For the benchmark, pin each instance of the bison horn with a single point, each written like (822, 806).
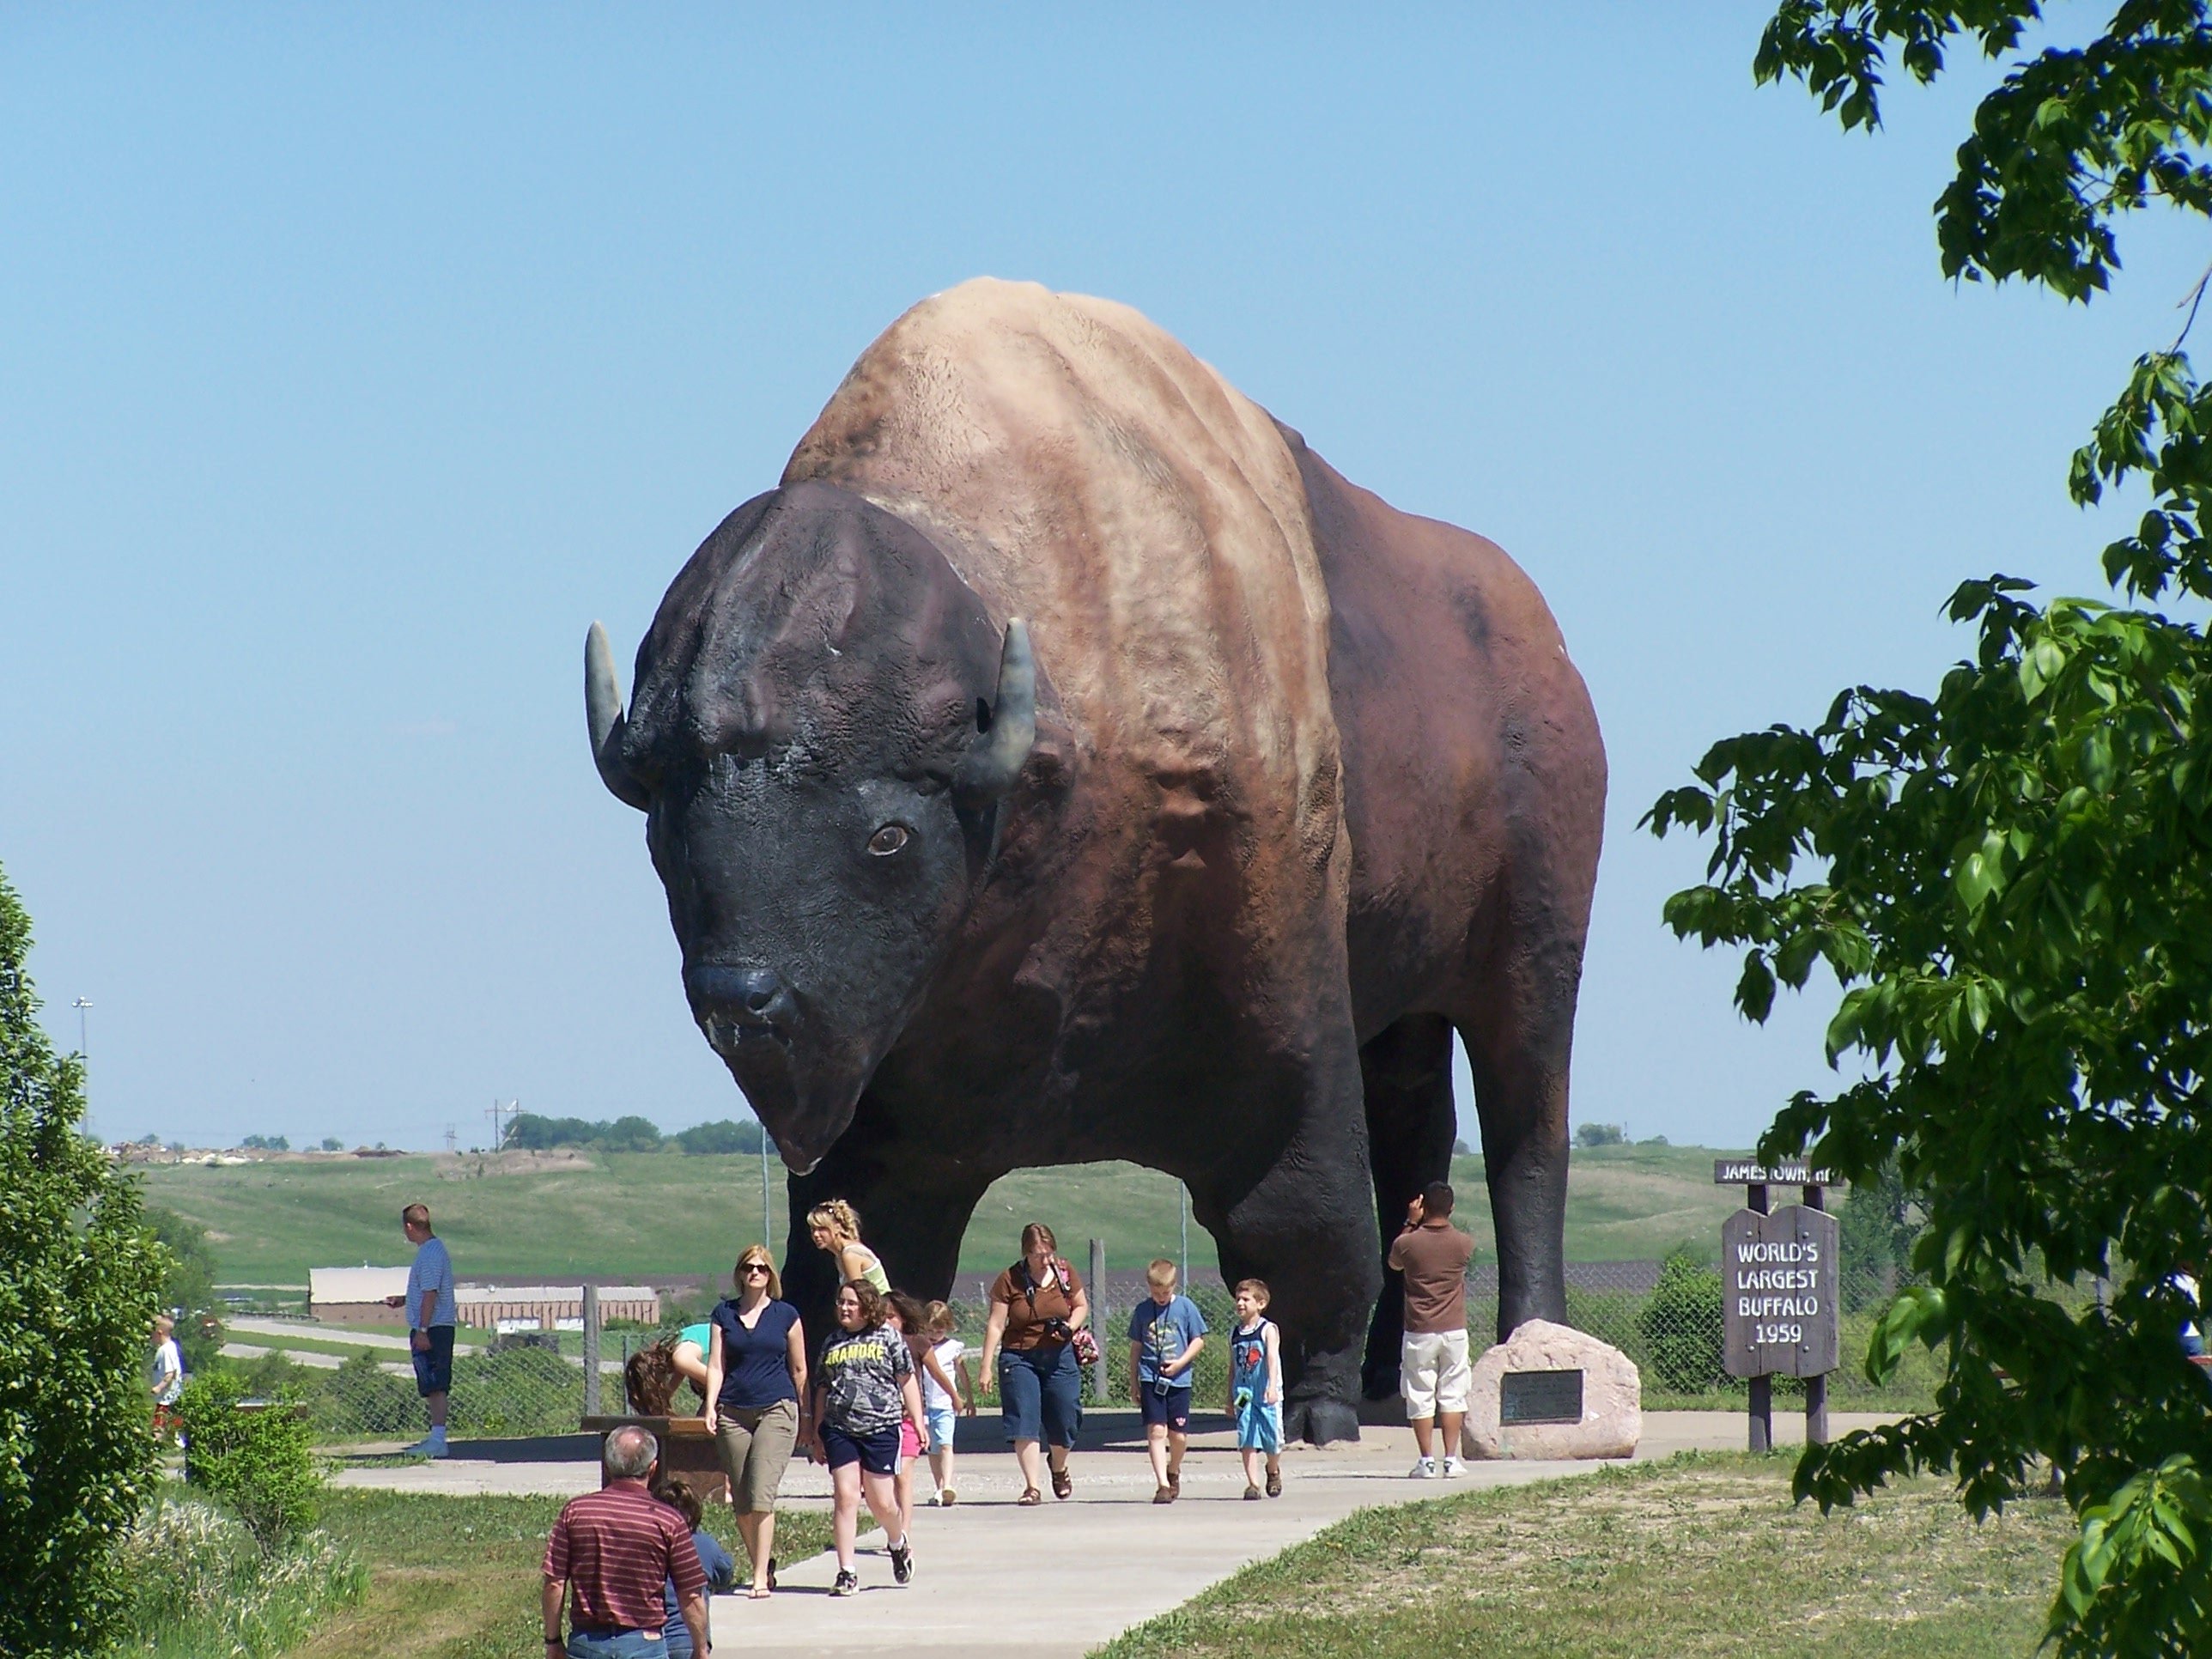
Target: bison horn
(604, 721)
(991, 767)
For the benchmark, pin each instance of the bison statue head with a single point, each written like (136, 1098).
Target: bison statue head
(825, 725)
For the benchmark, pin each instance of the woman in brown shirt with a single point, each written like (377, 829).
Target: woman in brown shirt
(1037, 1307)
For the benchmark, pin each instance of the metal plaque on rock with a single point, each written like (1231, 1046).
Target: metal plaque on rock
(1540, 1397)
(1778, 1293)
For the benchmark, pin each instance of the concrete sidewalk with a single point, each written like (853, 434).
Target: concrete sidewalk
(1111, 1558)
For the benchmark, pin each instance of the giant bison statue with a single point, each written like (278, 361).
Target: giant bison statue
(1064, 762)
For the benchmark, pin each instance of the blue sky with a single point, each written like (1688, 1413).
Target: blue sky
(352, 360)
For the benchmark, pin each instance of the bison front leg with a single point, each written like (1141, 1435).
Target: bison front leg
(913, 1208)
(1306, 1226)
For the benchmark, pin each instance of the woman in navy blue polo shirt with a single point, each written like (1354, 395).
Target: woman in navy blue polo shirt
(756, 1381)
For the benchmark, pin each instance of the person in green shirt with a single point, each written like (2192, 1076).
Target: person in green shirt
(689, 1352)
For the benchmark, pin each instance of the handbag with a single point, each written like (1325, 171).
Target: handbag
(1081, 1338)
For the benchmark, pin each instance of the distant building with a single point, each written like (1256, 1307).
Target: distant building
(355, 1296)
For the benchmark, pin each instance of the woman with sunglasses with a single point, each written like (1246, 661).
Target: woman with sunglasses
(756, 1389)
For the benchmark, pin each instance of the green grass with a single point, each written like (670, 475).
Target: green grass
(458, 1577)
(636, 1215)
(1701, 1555)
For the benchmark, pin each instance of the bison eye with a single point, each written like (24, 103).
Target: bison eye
(887, 840)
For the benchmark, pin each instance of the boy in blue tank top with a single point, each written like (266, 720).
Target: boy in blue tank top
(1255, 1387)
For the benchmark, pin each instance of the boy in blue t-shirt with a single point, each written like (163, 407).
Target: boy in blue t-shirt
(1165, 1336)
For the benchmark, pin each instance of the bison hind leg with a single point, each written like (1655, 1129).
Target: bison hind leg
(1405, 1072)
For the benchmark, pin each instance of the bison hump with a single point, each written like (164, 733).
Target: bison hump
(1082, 469)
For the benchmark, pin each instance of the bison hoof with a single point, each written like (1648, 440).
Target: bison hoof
(1319, 1422)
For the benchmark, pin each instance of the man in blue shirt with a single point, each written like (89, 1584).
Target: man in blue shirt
(431, 1317)
(1165, 1336)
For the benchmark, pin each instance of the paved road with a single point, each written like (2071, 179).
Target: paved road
(1111, 1556)
(309, 1330)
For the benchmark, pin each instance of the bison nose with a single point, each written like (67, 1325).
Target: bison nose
(745, 998)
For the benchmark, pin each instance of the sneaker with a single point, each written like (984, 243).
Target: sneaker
(903, 1563)
(436, 1447)
(1251, 1494)
(848, 1583)
(950, 1497)
(1424, 1469)
(935, 1501)
(1454, 1468)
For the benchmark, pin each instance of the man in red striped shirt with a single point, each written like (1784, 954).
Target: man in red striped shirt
(615, 1549)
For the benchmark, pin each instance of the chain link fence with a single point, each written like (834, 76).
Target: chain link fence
(1665, 1316)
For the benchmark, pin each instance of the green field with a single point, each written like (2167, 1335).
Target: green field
(1703, 1555)
(637, 1215)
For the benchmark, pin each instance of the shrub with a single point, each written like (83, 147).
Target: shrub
(199, 1583)
(79, 1283)
(519, 1391)
(1599, 1134)
(361, 1398)
(1682, 1327)
(260, 1463)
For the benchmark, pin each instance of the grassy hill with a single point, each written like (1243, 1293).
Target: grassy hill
(638, 1214)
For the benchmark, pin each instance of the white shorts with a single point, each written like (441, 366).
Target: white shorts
(1433, 1372)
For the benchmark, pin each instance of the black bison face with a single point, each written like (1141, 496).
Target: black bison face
(825, 723)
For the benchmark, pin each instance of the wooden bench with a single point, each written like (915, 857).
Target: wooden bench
(686, 1449)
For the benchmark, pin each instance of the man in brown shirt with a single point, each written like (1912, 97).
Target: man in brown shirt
(615, 1549)
(1433, 1254)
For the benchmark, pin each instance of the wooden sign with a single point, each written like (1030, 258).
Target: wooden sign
(1778, 1293)
(1746, 1172)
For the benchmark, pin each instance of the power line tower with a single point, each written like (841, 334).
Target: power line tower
(450, 1137)
(503, 1114)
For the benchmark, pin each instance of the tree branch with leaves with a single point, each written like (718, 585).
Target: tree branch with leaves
(2011, 880)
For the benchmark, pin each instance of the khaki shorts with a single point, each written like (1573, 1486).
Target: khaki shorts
(1433, 1372)
(756, 1445)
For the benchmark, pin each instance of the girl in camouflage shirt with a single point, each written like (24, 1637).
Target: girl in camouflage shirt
(864, 1385)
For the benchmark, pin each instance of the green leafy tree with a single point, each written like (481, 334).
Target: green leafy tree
(1599, 1134)
(1879, 1226)
(724, 1135)
(188, 1285)
(80, 1282)
(2009, 876)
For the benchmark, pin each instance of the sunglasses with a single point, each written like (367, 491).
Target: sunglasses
(752, 1268)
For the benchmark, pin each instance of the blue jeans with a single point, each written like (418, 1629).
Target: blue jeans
(1041, 1392)
(629, 1644)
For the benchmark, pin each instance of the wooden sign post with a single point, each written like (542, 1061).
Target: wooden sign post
(1779, 1304)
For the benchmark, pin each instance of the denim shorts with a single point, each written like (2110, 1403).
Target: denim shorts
(615, 1644)
(1040, 1391)
(940, 1428)
(433, 1368)
(1170, 1407)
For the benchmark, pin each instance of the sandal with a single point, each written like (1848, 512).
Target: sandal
(1274, 1483)
(1030, 1498)
(1062, 1486)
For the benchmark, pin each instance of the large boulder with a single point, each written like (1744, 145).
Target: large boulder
(1611, 1419)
